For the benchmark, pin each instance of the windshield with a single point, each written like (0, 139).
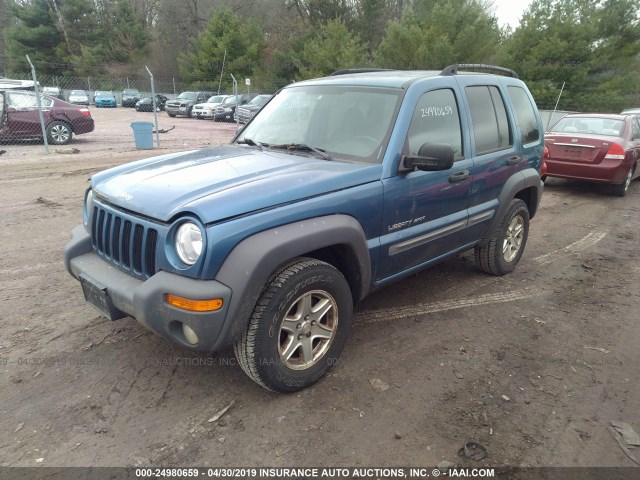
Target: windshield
(345, 121)
(187, 95)
(260, 100)
(78, 92)
(104, 94)
(216, 99)
(590, 125)
(229, 99)
(131, 92)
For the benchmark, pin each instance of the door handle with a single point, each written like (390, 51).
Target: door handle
(459, 176)
(514, 160)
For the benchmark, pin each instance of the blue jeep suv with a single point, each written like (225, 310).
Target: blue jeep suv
(338, 187)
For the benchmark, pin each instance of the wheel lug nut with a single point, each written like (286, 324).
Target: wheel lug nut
(313, 323)
(298, 327)
(299, 337)
(309, 335)
(307, 317)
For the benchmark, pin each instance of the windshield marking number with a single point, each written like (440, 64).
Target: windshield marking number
(436, 111)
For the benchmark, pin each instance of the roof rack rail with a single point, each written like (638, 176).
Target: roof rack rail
(359, 70)
(453, 69)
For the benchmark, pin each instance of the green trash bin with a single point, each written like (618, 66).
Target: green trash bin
(143, 135)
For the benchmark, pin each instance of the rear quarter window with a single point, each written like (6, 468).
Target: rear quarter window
(525, 114)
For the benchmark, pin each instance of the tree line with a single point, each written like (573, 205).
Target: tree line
(590, 47)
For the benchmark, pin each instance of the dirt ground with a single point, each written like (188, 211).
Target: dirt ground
(533, 365)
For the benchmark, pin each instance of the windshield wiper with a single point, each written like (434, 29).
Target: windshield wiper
(252, 143)
(303, 147)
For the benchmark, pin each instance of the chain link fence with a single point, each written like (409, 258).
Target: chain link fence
(97, 113)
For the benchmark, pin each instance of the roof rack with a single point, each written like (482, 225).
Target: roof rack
(359, 70)
(453, 69)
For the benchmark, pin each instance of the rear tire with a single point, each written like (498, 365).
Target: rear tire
(503, 251)
(59, 133)
(298, 327)
(621, 189)
(171, 114)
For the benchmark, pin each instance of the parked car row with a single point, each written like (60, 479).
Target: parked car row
(600, 148)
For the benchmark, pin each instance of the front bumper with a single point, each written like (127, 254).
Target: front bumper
(177, 109)
(208, 114)
(145, 300)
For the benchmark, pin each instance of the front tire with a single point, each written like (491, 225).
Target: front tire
(59, 133)
(502, 252)
(298, 327)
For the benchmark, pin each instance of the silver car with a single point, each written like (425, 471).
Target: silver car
(205, 110)
(79, 97)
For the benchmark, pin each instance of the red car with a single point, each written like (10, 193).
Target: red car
(19, 118)
(596, 148)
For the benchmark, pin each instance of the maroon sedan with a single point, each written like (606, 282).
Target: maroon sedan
(19, 118)
(596, 148)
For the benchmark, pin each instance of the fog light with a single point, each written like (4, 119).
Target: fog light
(189, 334)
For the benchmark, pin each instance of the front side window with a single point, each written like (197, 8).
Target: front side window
(350, 123)
(489, 118)
(436, 120)
(525, 114)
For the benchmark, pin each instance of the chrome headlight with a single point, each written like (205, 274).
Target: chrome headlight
(189, 242)
(88, 206)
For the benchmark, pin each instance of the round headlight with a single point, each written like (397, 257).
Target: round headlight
(189, 242)
(88, 205)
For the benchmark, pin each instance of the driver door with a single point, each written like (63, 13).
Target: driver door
(425, 213)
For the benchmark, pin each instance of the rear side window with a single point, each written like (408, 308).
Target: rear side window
(635, 130)
(27, 100)
(489, 117)
(436, 120)
(525, 114)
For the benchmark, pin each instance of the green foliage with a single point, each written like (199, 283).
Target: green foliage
(33, 33)
(592, 48)
(70, 37)
(226, 32)
(439, 33)
(332, 48)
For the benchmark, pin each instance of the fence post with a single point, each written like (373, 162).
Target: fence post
(235, 92)
(37, 89)
(174, 85)
(153, 105)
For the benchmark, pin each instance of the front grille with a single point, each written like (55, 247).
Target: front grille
(126, 243)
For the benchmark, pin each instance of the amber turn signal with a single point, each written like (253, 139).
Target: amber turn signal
(194, 305)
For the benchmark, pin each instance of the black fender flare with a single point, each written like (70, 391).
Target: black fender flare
(250, 264)
(523, 180)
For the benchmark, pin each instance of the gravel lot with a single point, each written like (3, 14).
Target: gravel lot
(533, 365)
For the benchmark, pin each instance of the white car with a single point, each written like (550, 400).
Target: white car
(205, 110)
(79, 97)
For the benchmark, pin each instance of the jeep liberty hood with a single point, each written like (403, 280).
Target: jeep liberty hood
(222, 182)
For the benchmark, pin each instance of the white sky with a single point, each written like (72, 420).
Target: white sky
(509, 12)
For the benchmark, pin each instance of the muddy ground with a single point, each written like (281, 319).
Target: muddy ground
(533, 365)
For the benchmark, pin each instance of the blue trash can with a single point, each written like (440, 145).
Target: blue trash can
(143, 135)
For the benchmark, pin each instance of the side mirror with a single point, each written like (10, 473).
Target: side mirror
(432, 157)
